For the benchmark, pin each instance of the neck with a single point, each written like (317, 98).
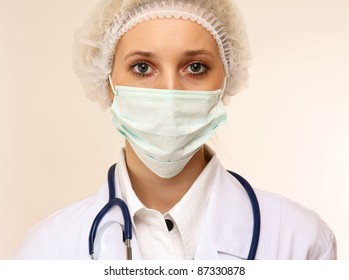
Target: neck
(162, 193)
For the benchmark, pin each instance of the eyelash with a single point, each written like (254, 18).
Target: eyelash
(204, 72)
(132, 70)
(144, 75)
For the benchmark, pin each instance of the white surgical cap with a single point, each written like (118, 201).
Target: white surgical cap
(96, 41)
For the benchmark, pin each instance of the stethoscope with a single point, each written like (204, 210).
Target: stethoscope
(127, 228)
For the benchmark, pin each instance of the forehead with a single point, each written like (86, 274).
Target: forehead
(167, 35)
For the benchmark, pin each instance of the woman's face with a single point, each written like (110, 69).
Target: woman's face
(168, 54)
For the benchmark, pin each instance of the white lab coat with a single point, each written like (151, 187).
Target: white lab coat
(288, 230)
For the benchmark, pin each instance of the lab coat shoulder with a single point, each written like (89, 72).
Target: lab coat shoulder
(62, 235)
(288, 230)
(294, 231)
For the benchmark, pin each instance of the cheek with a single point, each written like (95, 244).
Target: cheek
(216, 79)
(220, 77)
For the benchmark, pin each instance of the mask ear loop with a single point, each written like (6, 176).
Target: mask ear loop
(111, 84)
(112, 88)
(223, 89)
(225, 84)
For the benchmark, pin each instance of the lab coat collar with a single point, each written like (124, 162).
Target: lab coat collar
(227, 226)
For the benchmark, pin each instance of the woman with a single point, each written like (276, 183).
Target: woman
(166, 67)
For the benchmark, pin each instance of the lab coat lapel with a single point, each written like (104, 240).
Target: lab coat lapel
(206, 248)
(227, 229)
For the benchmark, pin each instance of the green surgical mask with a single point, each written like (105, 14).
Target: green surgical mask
(167, 127)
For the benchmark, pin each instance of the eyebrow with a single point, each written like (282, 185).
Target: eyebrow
(141, 53)
(197, 52)
(153, 55)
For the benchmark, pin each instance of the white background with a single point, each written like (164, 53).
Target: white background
(198, 270)
(288, 133)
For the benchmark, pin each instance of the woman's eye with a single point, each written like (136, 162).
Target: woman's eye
(197, 68)
(142, 69)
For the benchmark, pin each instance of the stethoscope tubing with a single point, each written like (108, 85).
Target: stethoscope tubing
(127, 232)
(256, 215)
(113, 201)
